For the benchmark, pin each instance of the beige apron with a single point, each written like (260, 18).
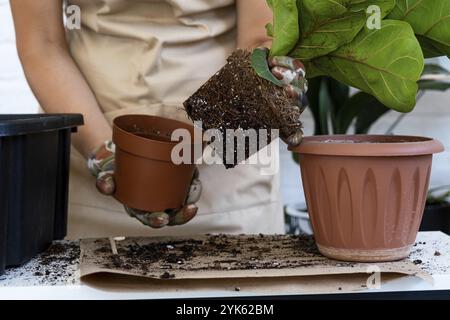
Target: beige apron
(148, 56)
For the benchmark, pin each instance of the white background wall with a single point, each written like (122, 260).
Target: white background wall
(430, 118)
(15, 96)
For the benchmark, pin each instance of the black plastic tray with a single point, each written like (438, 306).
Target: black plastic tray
(34, 182)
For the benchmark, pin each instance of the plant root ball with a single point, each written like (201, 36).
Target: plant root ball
(237, 98)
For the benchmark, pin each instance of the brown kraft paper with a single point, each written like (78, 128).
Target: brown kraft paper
(263, 264)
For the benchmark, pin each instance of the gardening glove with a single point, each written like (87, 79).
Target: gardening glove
(291, 72)
(101, 165)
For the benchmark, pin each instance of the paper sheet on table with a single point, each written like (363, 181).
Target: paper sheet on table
(259, 264)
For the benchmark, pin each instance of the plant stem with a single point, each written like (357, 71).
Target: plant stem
(390, 130)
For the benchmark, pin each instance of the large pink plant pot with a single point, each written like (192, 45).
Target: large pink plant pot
(366, 194)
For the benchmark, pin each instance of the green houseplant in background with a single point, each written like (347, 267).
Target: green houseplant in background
(436, 216)
(335, 109)
(341, 47)
(334, 39)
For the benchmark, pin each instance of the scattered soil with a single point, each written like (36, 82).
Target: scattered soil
(158, 258)
(56, 266)
(237, 98)
(432, 258)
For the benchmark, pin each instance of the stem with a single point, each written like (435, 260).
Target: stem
(390, 130)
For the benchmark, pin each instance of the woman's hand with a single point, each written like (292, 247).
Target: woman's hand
(253, 15)
(101, 165)
(291, 72)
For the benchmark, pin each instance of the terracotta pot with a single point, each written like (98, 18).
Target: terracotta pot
(365, 193)
(145, 176)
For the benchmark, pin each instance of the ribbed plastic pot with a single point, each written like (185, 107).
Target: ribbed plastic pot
(366, 193)
(145, 175)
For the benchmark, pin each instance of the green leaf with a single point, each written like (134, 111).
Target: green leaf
(312, 71)
(325, 106)
(432, 49)
(261, 67)
(327, 8)
(385, 63)
(269, 30)
(328, 24)
(372, 112)
(430, 19)
(435, 77)
(350, 109)
(338, 94)
(285, 29)
(434, 85)
(320, 126)
(363, 107)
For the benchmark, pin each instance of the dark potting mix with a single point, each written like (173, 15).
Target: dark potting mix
(164, 257)
(237, 98)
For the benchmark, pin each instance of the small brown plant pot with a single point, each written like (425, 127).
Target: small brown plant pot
(366, 194)
(145, 175)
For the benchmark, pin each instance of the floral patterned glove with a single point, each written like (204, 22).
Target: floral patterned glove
(291, 72)
(101, 165)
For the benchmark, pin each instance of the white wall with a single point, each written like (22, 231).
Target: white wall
(431, 117)
(15, 96)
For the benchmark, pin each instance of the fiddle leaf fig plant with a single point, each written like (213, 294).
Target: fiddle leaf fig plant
(285, 29)
(259, 64)
(336, 110)
(430, 20)
(332, 39)
(328, 25)
(385, 63)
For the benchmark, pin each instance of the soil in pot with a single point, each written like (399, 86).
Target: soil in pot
(237, 98)
(366, 196)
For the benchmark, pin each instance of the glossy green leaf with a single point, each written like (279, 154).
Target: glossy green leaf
(434, 85)
(385, 63)
(435, 78)
(285, 28)
(362, 107)
(430, 19)
(432, 49)
(328, 8)
(269, 30)
(312, 71)
(325, 106)
(350, 109)
(320, 125)
(338, 94)
(326, 25)
(372, 112)
(261, 67)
